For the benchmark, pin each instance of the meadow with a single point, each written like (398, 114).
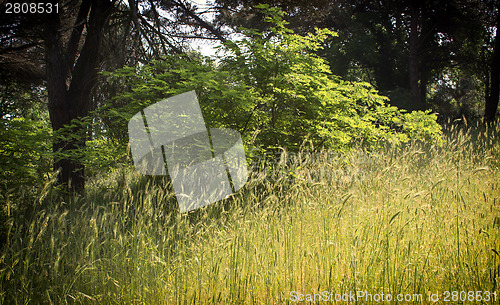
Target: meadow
(406, 220)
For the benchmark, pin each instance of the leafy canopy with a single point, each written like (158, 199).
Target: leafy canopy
(274, 88)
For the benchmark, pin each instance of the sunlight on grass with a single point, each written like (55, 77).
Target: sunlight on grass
(405, 220)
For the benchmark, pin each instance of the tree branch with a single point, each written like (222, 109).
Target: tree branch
(201, 22)
(76, 34)
(157, 31)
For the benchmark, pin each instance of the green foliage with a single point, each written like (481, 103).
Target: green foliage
(25, 137)
(223, 102)
(458, 94)
(274, 89)
(25, 165)
(103, 155)
(422, 125)
(304, 100)
(19, 100)
(92, 146)
(24, 153)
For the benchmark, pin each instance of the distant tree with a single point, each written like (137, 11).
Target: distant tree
(401, 47)
(492, 21)
(408, 43)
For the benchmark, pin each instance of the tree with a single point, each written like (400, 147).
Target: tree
(73, 101)
(70, 42)
(400, 47)
(493, 77)
(274, 88)
(413, 42)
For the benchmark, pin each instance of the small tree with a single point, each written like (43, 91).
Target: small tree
(296, 95)
(274, 89)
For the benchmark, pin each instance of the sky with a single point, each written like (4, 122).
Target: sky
(205, 46)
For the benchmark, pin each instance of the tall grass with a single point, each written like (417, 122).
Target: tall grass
(405, 220)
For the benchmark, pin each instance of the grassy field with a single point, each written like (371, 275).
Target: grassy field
(403, 221)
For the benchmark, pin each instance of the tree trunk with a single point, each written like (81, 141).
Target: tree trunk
(423, 89)
(413, 62)
(69, 89)
(492, 96)
(385, 70)
(59, 106)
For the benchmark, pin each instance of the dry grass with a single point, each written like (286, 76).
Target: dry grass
(401, 221)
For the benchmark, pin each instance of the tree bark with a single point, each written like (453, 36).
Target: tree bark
(413, 60)
(493, 95)
(424, 80)
(59, 109)
(69, 87)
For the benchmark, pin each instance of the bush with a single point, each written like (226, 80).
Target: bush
(273, 88)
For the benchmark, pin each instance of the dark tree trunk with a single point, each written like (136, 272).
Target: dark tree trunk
(69, 86)
(423, 89)
(492, 96)
(413, 60)
(59, 106)
(385, 71)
